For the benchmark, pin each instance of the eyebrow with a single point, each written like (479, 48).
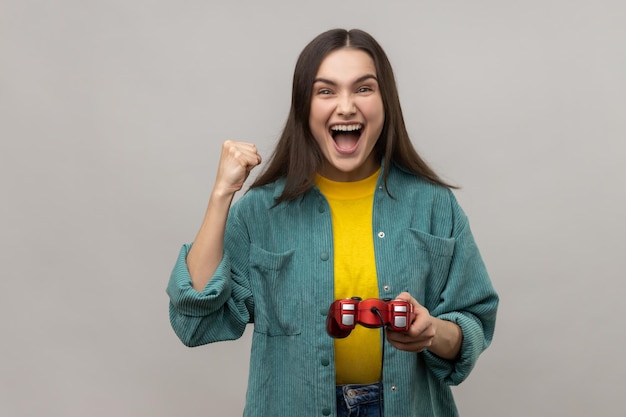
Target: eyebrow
(357, 81)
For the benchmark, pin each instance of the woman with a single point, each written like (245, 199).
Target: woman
(345, 207)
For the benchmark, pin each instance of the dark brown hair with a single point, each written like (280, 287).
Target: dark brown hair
(297, 156)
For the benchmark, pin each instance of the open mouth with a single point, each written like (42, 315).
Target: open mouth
(346, 137)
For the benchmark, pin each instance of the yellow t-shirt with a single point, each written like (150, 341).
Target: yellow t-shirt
(358, 356)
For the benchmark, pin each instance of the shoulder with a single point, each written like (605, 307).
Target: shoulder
(435, 204)
(259, 200)
(402, 183)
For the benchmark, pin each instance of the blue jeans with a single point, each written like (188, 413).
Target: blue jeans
(359, 400)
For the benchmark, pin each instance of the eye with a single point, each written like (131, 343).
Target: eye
(324, 91)
(365, 90)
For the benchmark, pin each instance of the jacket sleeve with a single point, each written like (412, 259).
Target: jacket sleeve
(468, 300)
(222, 310)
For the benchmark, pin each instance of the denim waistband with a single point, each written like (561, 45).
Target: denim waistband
(357, 394)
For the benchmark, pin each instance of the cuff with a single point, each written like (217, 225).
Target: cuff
(453, 372)
(186, 300)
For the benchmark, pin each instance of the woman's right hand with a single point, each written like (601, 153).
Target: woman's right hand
(236, 162)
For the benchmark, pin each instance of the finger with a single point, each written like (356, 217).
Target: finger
(406, 296)
(422, 322)
(403, 342)
(250, 151)
(252, 157)
(245, 154)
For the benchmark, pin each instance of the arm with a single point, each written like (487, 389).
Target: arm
(208, 300)
(236, 162)
(441, 337)
(459, 323)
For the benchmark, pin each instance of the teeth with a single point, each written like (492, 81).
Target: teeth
(346, 128)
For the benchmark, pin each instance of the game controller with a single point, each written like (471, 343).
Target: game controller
(345, 314)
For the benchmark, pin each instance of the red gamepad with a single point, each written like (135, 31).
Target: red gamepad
(345, 314)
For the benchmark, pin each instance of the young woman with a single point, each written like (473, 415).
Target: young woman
(345, 207)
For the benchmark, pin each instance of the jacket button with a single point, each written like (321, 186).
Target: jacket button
(381, 234)
(386, 288)
(324, 256)
(326, 411)
(325, 362)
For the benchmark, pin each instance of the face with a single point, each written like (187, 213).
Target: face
(347, 114)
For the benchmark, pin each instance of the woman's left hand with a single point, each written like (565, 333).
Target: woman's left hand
(422, 332)
(441, 337)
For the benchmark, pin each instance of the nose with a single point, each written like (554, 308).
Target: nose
(345, 105)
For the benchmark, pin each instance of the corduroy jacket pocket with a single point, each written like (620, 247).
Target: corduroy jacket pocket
(277, 296)
(429, 258)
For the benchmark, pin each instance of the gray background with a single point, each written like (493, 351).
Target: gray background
(112, 114)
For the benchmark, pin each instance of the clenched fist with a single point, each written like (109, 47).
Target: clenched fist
(236, 162)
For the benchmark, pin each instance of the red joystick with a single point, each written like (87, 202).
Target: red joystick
(344, 315)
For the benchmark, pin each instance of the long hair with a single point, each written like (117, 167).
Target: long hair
(297, 156)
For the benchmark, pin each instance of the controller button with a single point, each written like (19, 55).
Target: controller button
(400, 322)
(347, 319)
(399, 308)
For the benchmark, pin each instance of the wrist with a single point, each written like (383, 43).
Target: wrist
(220, 194)
(448, 339)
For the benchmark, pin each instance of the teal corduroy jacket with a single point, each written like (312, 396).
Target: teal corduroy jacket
(277, 272)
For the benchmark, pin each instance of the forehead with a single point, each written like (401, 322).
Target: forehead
(346, 64)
